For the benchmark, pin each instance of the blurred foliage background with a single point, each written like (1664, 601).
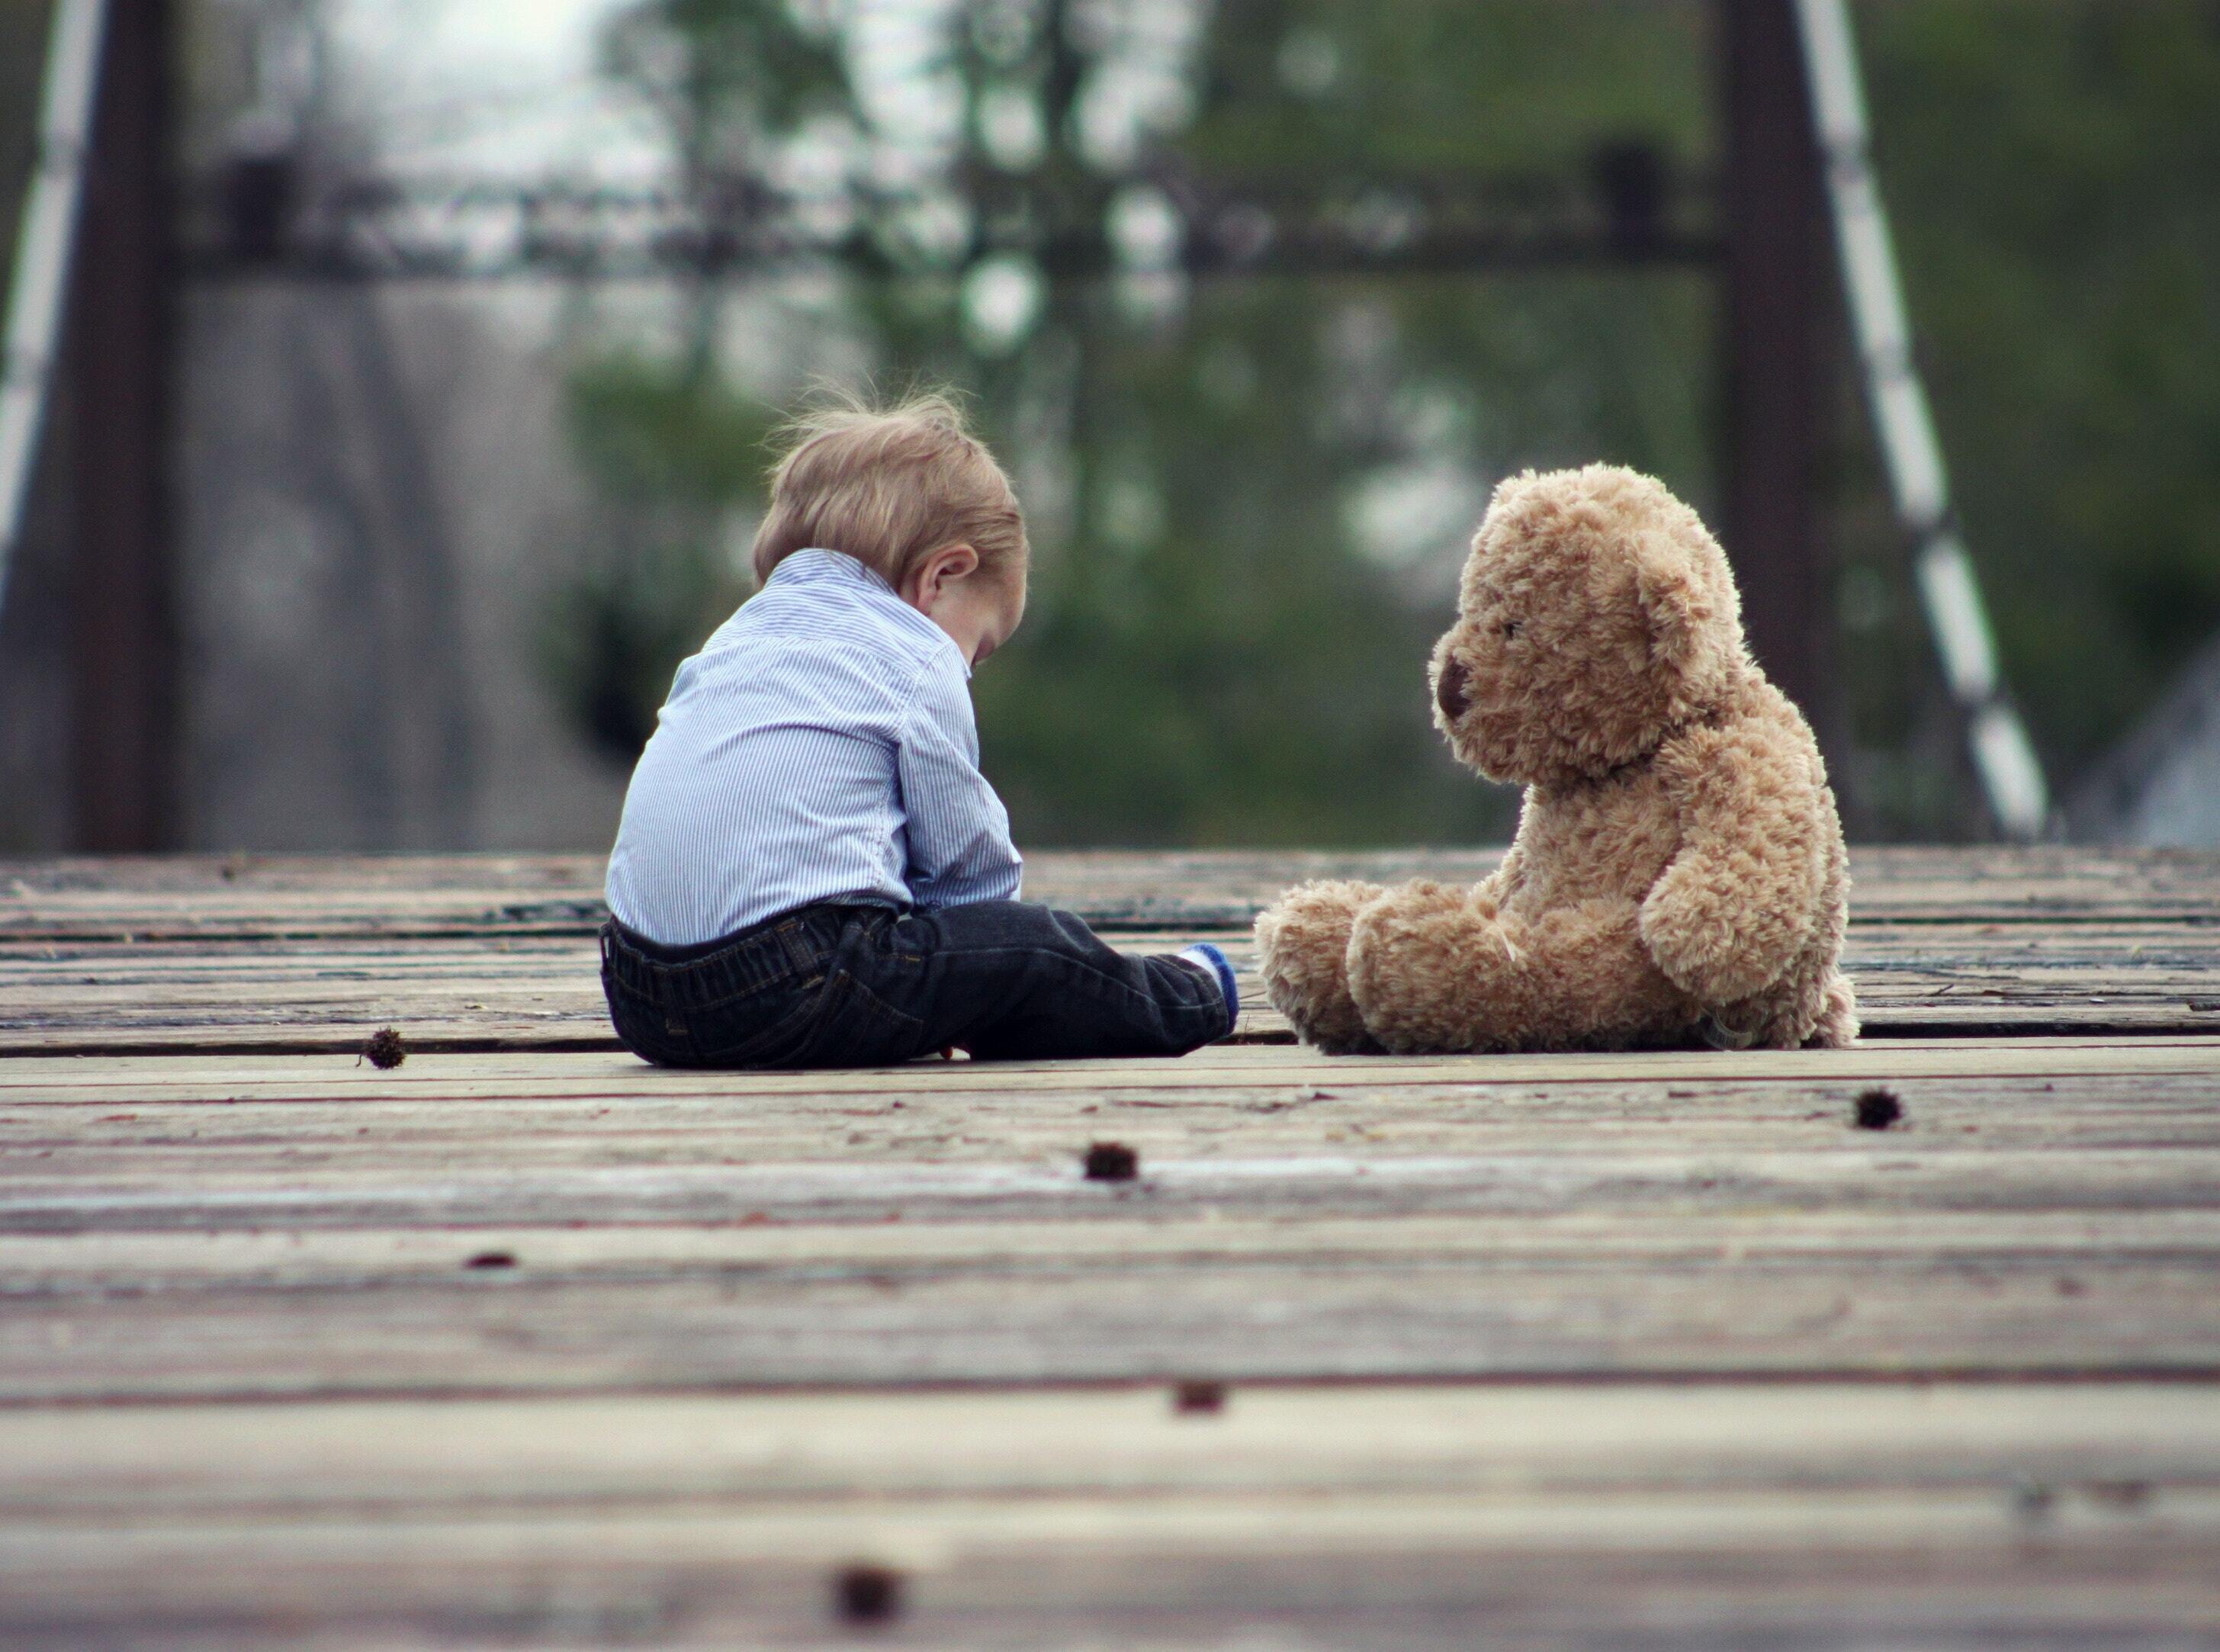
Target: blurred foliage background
(1248, 495)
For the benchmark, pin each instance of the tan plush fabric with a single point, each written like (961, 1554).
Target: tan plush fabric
(1679, 875)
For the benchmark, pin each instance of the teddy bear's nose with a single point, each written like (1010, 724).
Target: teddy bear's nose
(1449, 689)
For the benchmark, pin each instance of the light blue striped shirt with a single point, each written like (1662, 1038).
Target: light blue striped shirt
(821, 746)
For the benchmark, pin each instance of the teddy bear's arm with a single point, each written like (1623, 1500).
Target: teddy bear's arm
(1736, 905)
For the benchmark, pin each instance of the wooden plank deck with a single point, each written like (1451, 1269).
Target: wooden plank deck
(483, 953)
(524, 1343)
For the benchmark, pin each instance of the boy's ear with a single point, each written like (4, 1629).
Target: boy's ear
(949, 562)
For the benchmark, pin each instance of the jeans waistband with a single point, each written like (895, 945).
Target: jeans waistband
(788, 948)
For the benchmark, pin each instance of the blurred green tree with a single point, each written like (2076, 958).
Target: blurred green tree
(1218, 651)
(2055, 175)
(668, 447)
(1249, 494)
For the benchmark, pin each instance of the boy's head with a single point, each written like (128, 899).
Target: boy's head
(913, 495)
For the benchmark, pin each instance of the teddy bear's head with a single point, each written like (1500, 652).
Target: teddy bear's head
(1596, 614)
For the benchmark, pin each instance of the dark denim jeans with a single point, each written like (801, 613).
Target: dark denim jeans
(848, 986)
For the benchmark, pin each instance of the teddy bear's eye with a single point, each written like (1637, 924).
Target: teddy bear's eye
(1511, 627)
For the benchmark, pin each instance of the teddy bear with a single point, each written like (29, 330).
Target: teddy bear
(1678, 875)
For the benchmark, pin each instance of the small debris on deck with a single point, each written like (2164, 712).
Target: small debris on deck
(385, 1050)
(867, 1595)
(1111, 1162)
(1197, 1398)
(1879, 1109)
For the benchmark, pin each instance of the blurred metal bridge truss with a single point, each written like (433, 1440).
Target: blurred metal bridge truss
(265, 217)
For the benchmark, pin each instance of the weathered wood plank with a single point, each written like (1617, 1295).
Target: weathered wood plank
(1850, 1571)
(1395, 1518)
(1050, 1321)
(574, 1350)
(309, 896)
(832, 1229)
(488, 1458)
(1310, 1287)
(181, 1191)
(81, 1129)
(544, 992)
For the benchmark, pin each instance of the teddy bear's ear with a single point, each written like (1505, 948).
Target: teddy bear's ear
(1673, 604)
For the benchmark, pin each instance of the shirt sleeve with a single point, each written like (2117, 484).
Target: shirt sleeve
(959, 833)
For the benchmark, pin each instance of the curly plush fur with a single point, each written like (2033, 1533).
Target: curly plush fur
(1679, 873)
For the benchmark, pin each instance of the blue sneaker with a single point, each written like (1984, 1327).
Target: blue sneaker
(1210, 957)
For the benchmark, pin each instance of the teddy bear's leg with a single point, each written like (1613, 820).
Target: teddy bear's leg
(1593, 983)
(1426, 964)
(1442, 970)
(1302, 944)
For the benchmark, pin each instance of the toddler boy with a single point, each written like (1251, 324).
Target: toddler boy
(811, 871)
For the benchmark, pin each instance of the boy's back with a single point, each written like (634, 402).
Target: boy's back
(819, 748)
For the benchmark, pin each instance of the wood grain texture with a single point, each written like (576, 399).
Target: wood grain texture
(525, 1343)
(173, 1225)
(539, 992)
(1399, 1517)
(420, 896)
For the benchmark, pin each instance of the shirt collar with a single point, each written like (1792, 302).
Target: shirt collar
(815, 565)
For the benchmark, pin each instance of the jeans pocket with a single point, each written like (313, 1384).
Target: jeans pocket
(860, 1029)
(767, 1031)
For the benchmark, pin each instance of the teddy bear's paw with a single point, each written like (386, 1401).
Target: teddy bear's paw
(1715, 947)
(1838, 1018)
(1815, 1011)
(1302, 947)
(1429, 968)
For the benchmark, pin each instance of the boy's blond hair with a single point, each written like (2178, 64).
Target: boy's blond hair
(889, 487)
